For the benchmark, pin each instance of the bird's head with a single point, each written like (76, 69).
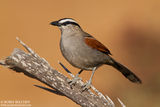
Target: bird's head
(68, 24)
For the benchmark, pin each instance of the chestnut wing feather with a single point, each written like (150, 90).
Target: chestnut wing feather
(93, 43)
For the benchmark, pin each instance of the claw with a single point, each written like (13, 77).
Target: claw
(86, 86)
(73, 81)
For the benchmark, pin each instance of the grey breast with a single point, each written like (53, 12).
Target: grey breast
(79, 54)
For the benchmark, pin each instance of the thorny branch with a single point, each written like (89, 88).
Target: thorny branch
(32, 65)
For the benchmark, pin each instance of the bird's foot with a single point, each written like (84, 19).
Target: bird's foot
(73, 81)
(86, 86)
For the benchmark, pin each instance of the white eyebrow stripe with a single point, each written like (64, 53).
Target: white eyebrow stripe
(67, 20)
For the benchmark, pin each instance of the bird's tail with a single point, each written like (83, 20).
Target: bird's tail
(126, 72)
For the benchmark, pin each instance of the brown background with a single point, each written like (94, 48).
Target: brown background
(130, 29)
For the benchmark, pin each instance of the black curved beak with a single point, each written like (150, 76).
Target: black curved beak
(55, 23)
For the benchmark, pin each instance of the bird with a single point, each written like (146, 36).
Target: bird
(85, 52)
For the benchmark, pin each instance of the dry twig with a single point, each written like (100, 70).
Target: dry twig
(32, 65)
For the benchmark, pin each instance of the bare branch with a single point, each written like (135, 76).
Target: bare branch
(38, 68)
(121, 103)
(25, 46)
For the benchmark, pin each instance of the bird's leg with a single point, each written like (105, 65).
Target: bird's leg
(87, 85)
(75, 79)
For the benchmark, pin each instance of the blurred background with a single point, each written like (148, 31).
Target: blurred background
(130, 29)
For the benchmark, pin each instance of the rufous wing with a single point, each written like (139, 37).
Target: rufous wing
(93, 43)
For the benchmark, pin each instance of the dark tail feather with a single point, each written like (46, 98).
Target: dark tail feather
(126, 72)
